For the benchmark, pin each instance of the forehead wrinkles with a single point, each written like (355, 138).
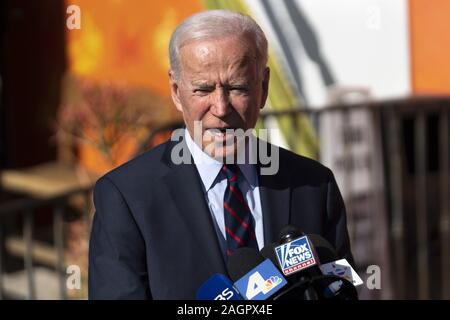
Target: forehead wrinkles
(224, 57)
(226, 76)
(236, 73)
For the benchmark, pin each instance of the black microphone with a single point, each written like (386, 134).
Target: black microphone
(242, 261)
(308, 283)
(331, 286)
(324, 250)
(296, 288)
(301, 278)
(289, 233)
(300, 286)
(268, 252)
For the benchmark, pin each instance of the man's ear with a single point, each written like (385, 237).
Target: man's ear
(265, 86)
(175, 90)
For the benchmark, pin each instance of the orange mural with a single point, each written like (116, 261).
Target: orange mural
(121, 48)
(126, 41)
(430, 46)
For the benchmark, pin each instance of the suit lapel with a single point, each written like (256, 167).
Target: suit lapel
(275, 193)
(184, 185)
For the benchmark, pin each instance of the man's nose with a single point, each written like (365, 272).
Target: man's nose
(221, 103)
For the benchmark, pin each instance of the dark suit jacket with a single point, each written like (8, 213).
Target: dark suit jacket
(153, 235)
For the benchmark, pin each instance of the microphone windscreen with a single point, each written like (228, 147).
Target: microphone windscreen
(242, 261)
(324, 250)
(290, 231)
(268, 252)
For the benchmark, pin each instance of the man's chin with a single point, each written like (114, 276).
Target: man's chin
(224, 150)
(223, 154)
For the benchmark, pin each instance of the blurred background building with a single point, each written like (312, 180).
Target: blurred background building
(360, 85)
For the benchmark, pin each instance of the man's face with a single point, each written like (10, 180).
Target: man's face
(222, 85)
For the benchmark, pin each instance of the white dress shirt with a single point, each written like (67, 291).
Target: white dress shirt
(215, 183)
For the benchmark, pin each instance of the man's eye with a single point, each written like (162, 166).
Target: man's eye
(239, 89)
(202, 90)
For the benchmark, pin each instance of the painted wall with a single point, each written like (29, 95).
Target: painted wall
(126, 41)
(430, 46)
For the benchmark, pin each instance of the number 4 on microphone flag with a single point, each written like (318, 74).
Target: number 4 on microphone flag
(261, 282)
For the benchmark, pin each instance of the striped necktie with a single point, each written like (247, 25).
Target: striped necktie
(239, 221)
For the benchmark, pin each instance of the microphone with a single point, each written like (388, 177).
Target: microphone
(303, 259)
(298, 261)
(268, 252)
(289, 233)
(324, 250)
(298, 286)
(218, 287)
(241, 261)
(339, 279)
(332, 265)
(342, 268)
(255, 278)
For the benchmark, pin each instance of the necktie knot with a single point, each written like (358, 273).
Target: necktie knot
(231, 171)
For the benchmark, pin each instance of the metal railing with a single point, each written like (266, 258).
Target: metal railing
(404, 233)
(415, 225)
(415, 192)
(26, 208)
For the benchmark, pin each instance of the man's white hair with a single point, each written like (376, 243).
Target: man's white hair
(215, 24)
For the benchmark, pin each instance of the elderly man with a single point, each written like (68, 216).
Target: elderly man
(163, 226)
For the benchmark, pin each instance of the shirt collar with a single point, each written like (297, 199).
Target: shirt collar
(209, 168)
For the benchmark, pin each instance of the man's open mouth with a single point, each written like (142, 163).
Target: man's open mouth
(221, 131)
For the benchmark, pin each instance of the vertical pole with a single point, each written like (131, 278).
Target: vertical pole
(444, 196)
(58, 235)
(421, 205)
(28, 254)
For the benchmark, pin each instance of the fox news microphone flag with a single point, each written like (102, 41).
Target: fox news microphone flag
(298, 259)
